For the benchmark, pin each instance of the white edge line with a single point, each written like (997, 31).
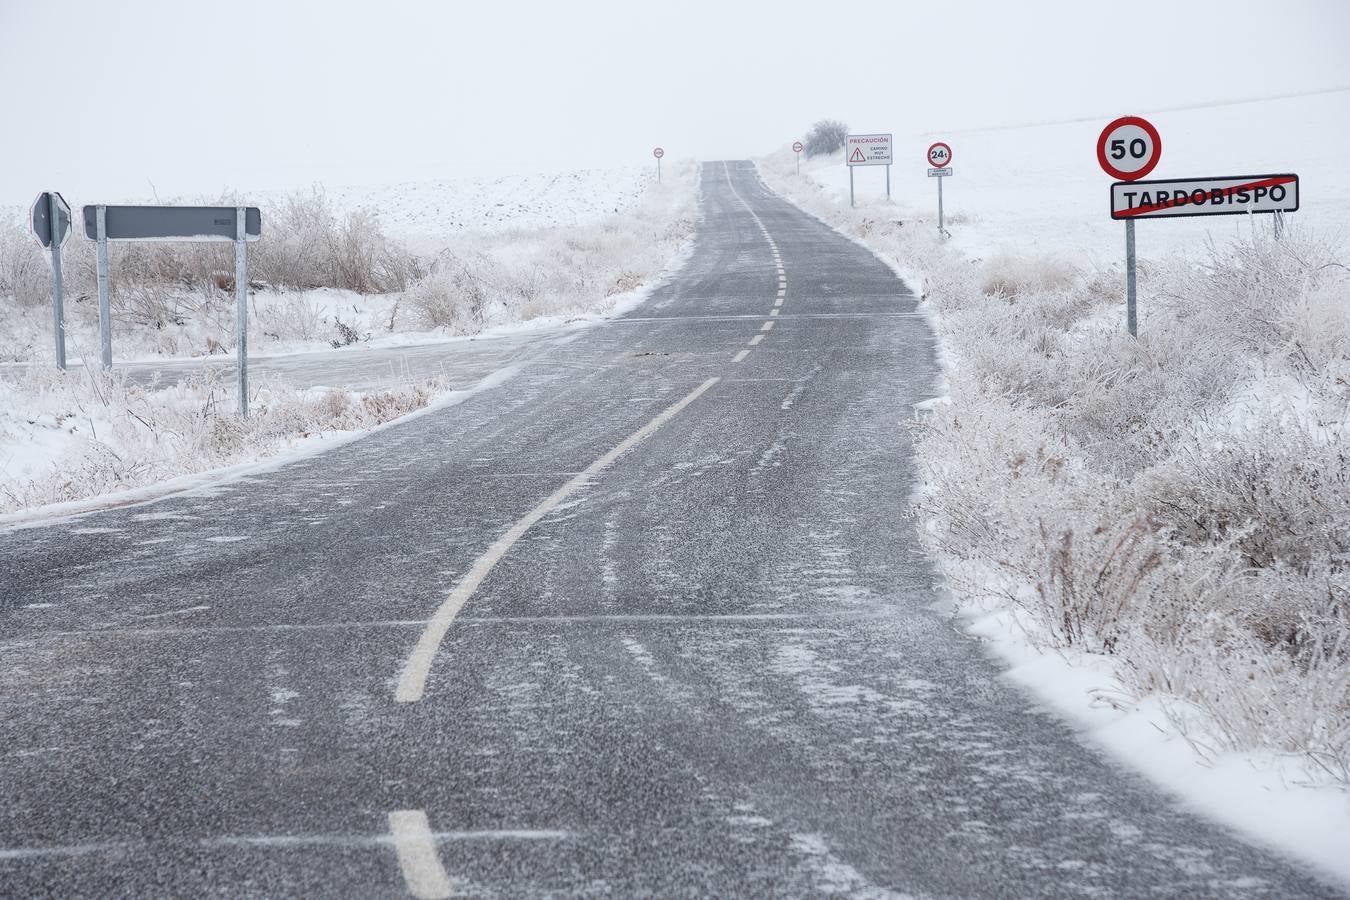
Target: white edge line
(413, 680)
(417, 856)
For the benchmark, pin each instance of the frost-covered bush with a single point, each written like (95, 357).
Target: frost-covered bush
(825, 137)
(117, 435)
(1179, 501)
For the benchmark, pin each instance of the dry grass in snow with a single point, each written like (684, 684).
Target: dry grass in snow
(68, 436)
(1179, 503)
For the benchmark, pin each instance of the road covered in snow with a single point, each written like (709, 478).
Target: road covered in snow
(647, 619)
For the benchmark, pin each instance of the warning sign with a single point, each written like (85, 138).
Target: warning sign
(868, 150)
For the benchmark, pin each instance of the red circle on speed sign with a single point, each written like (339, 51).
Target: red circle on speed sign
(1129, 148)
(658, 153)
(939, 155)
(796, 146)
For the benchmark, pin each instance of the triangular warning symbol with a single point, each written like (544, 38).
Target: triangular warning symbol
(857, 155)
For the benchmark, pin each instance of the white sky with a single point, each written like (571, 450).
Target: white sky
(195, 97)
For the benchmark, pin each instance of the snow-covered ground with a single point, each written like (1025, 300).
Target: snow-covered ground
(580, 246)
(420, 211)
(1097, 503)
(1038, 189)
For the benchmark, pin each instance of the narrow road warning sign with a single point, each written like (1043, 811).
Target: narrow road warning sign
(869, 150)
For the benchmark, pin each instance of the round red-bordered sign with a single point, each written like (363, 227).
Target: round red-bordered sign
(796, 146)
(940, 163)
(1129, 148)
(658, 153)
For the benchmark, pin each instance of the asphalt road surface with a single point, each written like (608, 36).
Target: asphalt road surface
(647, 619)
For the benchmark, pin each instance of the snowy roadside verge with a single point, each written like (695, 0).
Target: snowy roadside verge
(1052, 459)
(68, 437)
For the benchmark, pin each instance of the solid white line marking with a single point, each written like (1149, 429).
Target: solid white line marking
(413, 681)
(767, 326)
(740, 356)
(417, 856)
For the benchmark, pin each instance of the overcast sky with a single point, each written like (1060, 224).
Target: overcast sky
(196, 97)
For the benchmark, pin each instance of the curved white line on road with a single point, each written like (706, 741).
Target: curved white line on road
(417, 856)
(413, 681)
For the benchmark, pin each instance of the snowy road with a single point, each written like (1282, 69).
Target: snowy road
(485, 653)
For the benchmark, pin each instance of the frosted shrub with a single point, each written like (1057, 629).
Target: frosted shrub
(1180, 501)
(453, 296)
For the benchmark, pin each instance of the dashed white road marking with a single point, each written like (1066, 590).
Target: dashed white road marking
(739, 357)
(773, 312)
(778, 302)
(767, 326)
(413, 680)
(756, 339)
(417, 856)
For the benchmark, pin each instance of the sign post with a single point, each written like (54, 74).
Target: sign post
(797, 149)
(658, 153)
(940, 162)
(1129, 148)
(104, 309)
(867, 150)
(239, 224)
(50, 218)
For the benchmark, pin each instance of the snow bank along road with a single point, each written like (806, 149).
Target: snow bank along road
(649, 618)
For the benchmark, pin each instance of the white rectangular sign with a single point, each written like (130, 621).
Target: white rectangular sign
(940, 173)
(1237, 195)
(868, 150)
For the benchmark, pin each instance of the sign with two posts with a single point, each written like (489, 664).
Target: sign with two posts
(868, 150)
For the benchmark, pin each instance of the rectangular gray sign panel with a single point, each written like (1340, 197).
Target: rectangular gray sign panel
(172, 223)
(1230, 196)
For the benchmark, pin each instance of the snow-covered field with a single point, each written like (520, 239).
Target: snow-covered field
(419, 211)
(1154, 532)
(1038, 189)
(584, 245)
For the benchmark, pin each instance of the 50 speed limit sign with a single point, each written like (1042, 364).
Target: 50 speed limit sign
(1129, 148)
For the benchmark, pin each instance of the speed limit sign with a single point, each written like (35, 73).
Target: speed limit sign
(658, 153)
(796, 146)
(1129, 148)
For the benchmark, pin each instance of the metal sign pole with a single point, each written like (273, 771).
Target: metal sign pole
(58, 288)
(941, 229)
(241, 305)
(799, 163)
(1131, 323)
(104, 310)
(658, 170)
(850, 187)
(888, 182)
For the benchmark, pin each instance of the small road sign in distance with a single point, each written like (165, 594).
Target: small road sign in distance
(658, 153)
(173, 223)
(796, 146)
(1129, 148)
(1236, 195)
(41, 218)
(940, 155)
(868, 150)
